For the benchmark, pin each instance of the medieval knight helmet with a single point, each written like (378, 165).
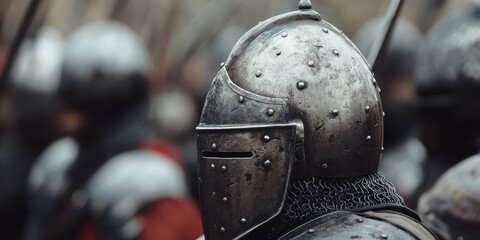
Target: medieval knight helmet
(34, 83)
(450, 207)
(295, 99)
(448, 72)
(105, 69)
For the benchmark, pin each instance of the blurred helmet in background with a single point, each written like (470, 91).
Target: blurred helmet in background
(448, 73)
(105, 71)
(34, 82)
(174, 113)
(452, 207)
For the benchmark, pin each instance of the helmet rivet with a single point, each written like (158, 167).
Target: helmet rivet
(310, 63)
(310, 231)
(222, 229)
(225, 200)
(258, 74)
(243, 220)
(324, 166)
(270, 112)
(335, 113)
(278, 52)
(335, 51)
(383, 149)
(367, 108)
(379, 90)
(266, 138)
(214, 194)
(304, 5)
(369, 138)
(224, 168)
(222, 64)
(284, 34)
(374, 82)
(301, 85)
(359, 220)
(383, 114)
(214, 146)
(384, 236)
(267, 163)
(212, 166)
(241, 99)
(325, 30)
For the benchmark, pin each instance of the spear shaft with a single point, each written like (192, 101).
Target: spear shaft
(381, 43)
(19, 36)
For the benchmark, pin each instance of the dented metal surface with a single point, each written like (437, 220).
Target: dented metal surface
(367, 226)
(451, 207)
(290, 102)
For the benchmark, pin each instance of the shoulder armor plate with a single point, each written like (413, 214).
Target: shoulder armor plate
(48, 174)
(369, 225)
(129, 180)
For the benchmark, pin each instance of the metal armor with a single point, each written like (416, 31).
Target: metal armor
(105, 68)
(396, 76)
(30, 115)
(451, 208)
(34, 81)
(448, 77)
(374, 224)
(47, 181)
(117, 192)
(294, 111)
(448, 72)
(113, 196)
(370, 225)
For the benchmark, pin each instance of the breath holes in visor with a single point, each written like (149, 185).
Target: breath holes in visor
(227, 155)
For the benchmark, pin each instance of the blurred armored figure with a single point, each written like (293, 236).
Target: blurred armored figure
(451, 84)
(452, 207)
(448, 85)
(33, 83)
(404, 155)
(290, 140)
(118, 185)
(430, 10)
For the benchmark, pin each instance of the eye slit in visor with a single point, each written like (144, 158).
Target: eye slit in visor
(227, 155)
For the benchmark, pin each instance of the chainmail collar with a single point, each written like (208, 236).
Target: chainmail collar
(312, 197)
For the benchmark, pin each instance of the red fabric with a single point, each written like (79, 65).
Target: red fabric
(163, 147)
(171, 219)
(164, 219)
(88, 232)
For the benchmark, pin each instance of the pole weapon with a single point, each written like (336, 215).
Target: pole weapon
(19, 36)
